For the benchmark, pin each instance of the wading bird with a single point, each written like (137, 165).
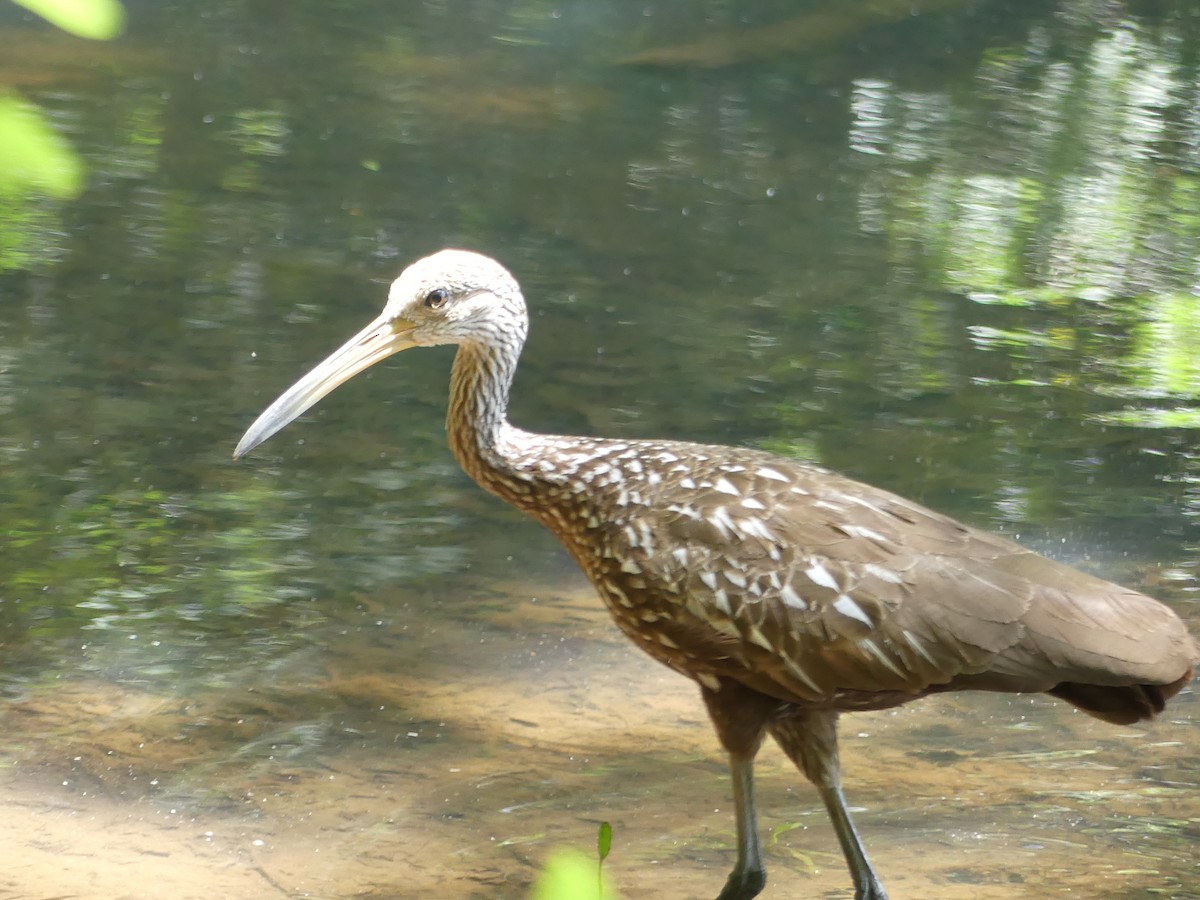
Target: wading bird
(788, 593)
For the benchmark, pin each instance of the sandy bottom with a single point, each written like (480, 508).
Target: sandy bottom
(450, 764)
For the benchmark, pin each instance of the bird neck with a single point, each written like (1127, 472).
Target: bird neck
(477, 419)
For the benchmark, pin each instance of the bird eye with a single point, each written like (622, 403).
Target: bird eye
(437, 298)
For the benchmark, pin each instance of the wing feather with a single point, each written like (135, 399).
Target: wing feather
(818, 588)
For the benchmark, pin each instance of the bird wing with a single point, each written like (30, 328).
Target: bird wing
(812, 586)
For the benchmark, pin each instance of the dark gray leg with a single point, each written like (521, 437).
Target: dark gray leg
(748, 877)
(740, 717)
(809, 738)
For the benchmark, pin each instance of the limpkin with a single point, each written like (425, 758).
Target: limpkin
(789, 593)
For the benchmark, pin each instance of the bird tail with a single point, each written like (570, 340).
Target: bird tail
(1114, 653)
(1121, 705)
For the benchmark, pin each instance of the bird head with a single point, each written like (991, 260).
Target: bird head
(451, 297)
(454, 297)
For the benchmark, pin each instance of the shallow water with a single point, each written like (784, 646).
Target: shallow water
(947, 248)
(392, 764)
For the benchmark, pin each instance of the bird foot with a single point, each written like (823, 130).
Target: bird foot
(743, 884)
(870, 890)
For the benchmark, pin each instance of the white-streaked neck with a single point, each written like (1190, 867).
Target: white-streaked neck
(477, 418)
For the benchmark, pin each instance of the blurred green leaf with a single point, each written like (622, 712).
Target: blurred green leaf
(99, 20)
(33, 155)
(570, 875)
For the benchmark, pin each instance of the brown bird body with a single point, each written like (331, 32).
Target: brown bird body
(788, 592)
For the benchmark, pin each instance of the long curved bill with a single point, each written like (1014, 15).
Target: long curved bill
(378, 341)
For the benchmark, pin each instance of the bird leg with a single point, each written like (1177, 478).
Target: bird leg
(749, 876)
(809, 738)
(740, 717)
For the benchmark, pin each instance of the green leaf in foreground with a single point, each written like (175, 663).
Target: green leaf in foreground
(100, 20)
(570, 875)
(33, 155)
(604, 841)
